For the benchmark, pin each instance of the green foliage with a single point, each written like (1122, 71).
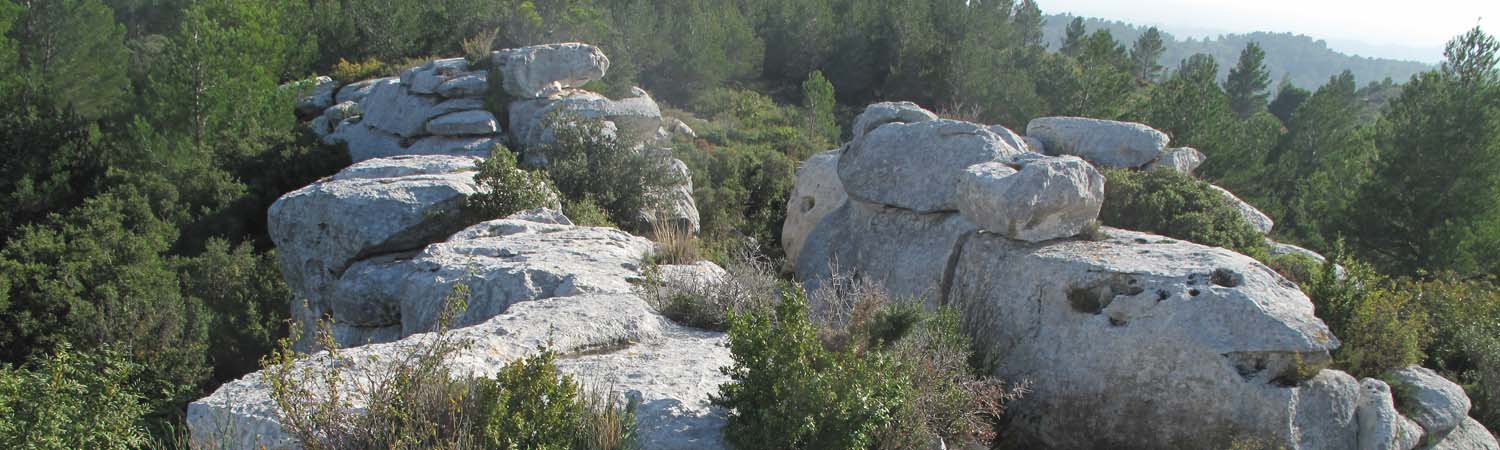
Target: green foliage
(72, 400)
(580, 153)
(1146, 54)
(790, 391)
(749, 284)
(817, 99)
(1288, 98)
(1169, 203)
(586, 213)
(530, 405)
(1380, 325)
(477, 48)
(1248, 81)
(74, 52)
(35, 183)
(346, 72)
(1431, 200)
(248, 300)
(505, 189)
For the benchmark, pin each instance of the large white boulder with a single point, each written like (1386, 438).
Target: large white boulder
(907, 252)
(817, 193)
(356, 91)
(1470, 435)
(916, 165)
(544, 70)
(426, 78)
(1381, 427)
(364, 142)
(1182, 159)
(606, 341)
(1139, 341)
(1258, 220)
(374, 208)
(1435, 403)
(392, 108)
(879, 114)
(1106, 143)
(464, 123)
(1011, 137)
(472, 84)
(1047, 199)
(503, 262)
(677, 208)
(635, 119)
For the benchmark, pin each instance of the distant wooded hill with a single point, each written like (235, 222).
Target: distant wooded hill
(1307, 62)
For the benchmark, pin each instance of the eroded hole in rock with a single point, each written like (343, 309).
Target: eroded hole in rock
(1193, 292)
(1142, 241)
(808, 203)
(1093, 299)
(1116, 322)
(1162, 295)
(1226, 278)
(1283, 369)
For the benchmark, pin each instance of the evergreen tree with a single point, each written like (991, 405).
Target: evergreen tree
(1288, 98)
(1317, 168)
(1073, 39)
(1029, 21)
(1248, 81)
(817, 99)
(1431, 202)
(1145, 53)
(73, 52)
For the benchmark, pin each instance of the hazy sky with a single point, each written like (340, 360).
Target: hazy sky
(1385, 28)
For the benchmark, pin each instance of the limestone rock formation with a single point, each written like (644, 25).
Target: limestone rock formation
(319, 95)
(1016, 141)
(817, 193)
(1381, 427)
(1046, 199)
(544, 70)
(1182, 159)
(472, 122)
(908, 252)
(608, 341)
(1259, 220)
(879, 114)
(916, 165)
(1103, 142)
(1438, 405)
(678, 209)
(356, 91)
(636, 118)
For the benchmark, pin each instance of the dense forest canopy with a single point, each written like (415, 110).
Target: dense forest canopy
(143, 140)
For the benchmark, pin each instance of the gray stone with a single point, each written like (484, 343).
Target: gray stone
(606, 341)
(679, 127)
(472, 84)
(1140, 341)
(1014, 140)
(1278, 249)
(356, 91)
(1380, 426)
(916, 165)
(1258, 220)
(317, 95)
(1182, 159)
(464, 123)
(1047, 199)
(451, 145)
(879, 114)
(321, 127)
(321, 229)
(426, 78)
(545, 70)
(365, 143)
(1435, 403)
(1103, 142)
(502, 262)
(816, 193)
(906, 252)
(391, 108)
(1470, 435)
(677, 209)
(548, 216)
(1034, 144)
(344, 110)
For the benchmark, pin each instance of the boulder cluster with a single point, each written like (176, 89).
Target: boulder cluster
(1127, 340)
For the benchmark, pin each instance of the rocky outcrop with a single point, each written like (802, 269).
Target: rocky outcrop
(606, 341)
(635, 118)
(1128, 340)
(817, 193)
(677, 209)
(1046, 199)
(1258, 220)
(1439, 406)
(544, 70)
(433, 109)
(317, 94)
(916, 165)
(1103, 142)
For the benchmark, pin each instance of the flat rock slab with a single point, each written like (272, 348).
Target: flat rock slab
(1106, 143)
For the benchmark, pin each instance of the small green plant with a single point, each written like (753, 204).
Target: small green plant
(346, 72)
(505, 189)
(674, 243)
(1380, 324)
(1176, 205)
(477, 48)
(586, 163)
(587, 213)
(72, 400)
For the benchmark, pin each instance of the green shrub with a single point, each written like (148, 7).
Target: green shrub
(1464, 338)
(417, 403)
(1299, 268)
(505, 189)
(346, 72)
(674, 243)
(72, 401)
(587, 164)
(477, 48)
(1379, 323)
(587, 213)
(1175, 205)
(749, 284)
(790, 390)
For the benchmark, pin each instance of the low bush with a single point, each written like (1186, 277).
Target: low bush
(417, 403)
(477, 48)
(346, 72)
(72, 400)
(1176, 205)
(1380, 325)
(749, 284)
(910, 387)
(674, 243)
(587, 213)
(505, 189)
(587, 164)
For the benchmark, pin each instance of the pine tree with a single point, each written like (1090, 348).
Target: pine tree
(1288, 98)
(1431, 202)
(818, 100)
(73, 52)
(1316, 169)
(1073, 40)
(1145, 53)
(1248, 81)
